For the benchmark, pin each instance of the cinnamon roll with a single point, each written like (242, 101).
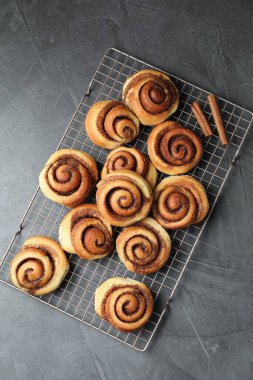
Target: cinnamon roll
(84, 232)
(68, 177)
(124, 158)
(40, 266)
(151, 95)
(144, 247)
(179, 201)
(110, 124)
(124, 303)
(174, 149)
(123, 197)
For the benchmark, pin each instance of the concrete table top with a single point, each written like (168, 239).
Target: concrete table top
(48, 53)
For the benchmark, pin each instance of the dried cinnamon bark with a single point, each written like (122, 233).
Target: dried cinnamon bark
(201, 119)
(217, 118)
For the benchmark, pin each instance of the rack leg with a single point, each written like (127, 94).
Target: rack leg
(19, 230)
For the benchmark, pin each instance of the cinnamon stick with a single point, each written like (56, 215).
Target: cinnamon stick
(217, 118)
(201, 119)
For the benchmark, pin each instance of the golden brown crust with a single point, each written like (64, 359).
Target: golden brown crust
(84, 232)
(123, 197)
(151, 95)
(174, 149)
(126, 304)
(68, 177)
(179, 201)
(144, 247)
(40, 266)
(110, 123)
(124, 158)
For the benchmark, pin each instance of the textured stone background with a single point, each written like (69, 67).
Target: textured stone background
(48, 53)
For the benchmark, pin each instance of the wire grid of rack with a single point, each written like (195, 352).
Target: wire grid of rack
(75, 296)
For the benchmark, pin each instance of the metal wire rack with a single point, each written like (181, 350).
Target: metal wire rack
(75, 297)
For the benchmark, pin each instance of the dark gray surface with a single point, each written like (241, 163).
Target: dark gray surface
(48, 53)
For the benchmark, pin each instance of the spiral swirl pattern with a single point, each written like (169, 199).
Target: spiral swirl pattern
(110, 124)
(124, 158)
(179, 201)
(174, 149)
(125, 303)
(151, 95)
(68, 177)
(123, 197)
(144, 247)
(84, 232)
(39, 267)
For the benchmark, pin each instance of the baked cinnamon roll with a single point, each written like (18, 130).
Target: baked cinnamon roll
(68, 177)
(84, 232)
(144, 247)
(179, 201)
(124, 158)
(174, 149)
(151, 95)
(123, 197)
(110, 124)
(40, 266)
(124, 303)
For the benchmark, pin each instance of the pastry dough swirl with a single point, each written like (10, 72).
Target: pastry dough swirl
(174, 149)
(126, 304)
(179, 201)
(124, 158)
(151, 95)
(84, 232)
(39, 267)
(144, 247)
(123, 197)
(110, 124)
(68, 177)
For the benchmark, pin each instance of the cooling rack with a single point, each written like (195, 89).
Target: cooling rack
(75, 296)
